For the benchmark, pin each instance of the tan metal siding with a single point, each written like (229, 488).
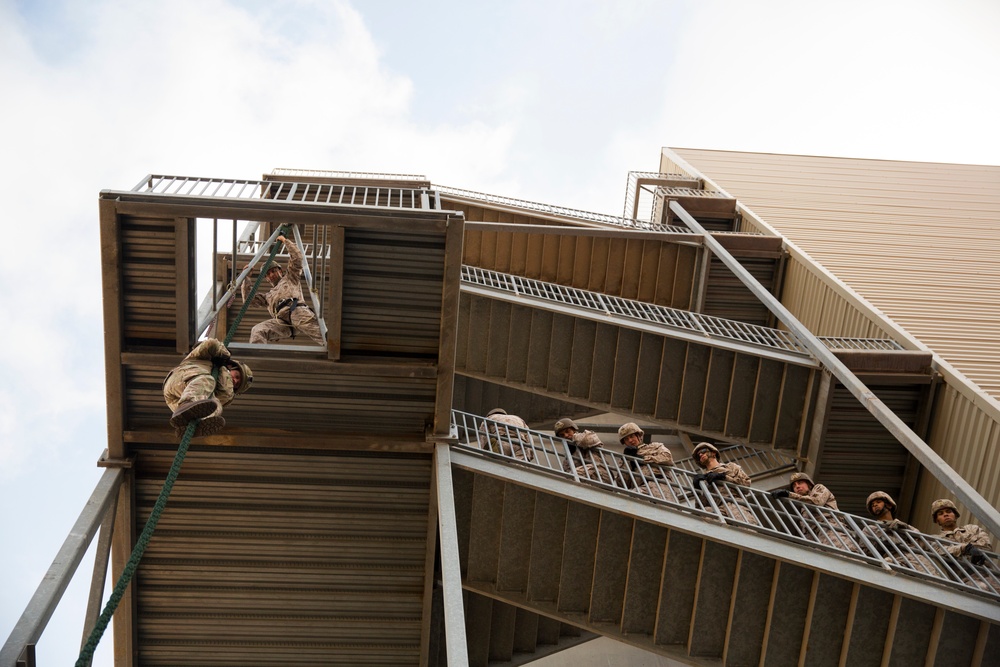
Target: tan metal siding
(920, 241)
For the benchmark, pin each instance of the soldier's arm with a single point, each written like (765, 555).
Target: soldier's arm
(735, 475)
(980, 537)
(209, 348)
(258, 298)
(819, 495)
(294, 257)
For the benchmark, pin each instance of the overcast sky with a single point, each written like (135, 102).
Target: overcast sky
(548, 101)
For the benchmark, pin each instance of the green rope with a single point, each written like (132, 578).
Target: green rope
(87, 652)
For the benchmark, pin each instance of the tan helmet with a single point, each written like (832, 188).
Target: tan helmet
(587, 440)
(246, 374)
(495, 411)
(704, 445)
(628, 429)
(881, 495)
(800, 477)
(564, 423)
(943, 504)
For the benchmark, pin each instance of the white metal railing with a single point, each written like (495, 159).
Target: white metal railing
(705, 326)
(680, 489)
(293, 192)
(561, 211)
(634, 191)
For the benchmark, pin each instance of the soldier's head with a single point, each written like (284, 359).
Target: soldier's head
(241, 375)
(274, 274)
(800, 483)
(565, 428)
(630, 435)
(944, 513)
(495, 411)
(704, 452)
(880, 503)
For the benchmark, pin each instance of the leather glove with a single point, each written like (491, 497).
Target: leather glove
(714, 477)
(697, 480)
(220, 361)
(975, 554)
(779, 493)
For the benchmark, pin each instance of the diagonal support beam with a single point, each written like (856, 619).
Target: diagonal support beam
(49, 592)
(451, 576)
(920, 450)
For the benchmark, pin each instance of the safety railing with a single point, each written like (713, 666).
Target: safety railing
(682, 489)
(346, 175)
(560, 211)
(704, 326)
(635, 189)
(293, 192)
(875, 344)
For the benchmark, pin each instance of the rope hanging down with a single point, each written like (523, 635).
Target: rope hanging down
(87, 651)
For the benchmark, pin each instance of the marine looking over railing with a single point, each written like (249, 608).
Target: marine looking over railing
(681, 488)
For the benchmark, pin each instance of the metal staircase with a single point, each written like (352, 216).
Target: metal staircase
(662, 572)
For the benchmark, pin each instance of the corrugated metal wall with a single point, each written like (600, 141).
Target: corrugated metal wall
(918, 241)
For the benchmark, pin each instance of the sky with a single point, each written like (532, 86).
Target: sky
(549, 101)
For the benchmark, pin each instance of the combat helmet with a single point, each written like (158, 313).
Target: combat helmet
(564, 423)
(800, 477)
(628, 429)
(943, 504)
(246, 375)
(495, 411)
(881, 495)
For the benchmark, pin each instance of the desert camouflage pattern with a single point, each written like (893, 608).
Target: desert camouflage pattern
(918, 562)
(734, 473)
(968, 534)
(834, 535)
(282, 325)
(818, 495)
(591, 464)
(192, 379)
(655, 452)
(497, 438)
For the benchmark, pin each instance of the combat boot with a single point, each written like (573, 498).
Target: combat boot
(194, 410)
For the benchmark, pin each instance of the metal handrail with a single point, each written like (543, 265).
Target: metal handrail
(632, 187)
(705, 326)
(561, 211)
(675, 487)
(304, 192)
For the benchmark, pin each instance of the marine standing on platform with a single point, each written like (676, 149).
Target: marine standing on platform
(881, 506)
(972, 539)
(706, 455)
(192, 393)
(498, 439)
(585, 448)
(801, 487)
(289, 311)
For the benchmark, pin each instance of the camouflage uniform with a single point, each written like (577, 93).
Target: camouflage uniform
(891, 530)
(192, 380)
(969, 534)
(587, 446)
(500, 440)
(965, 535)
(652, 479)
(820, 496)
(735, 475)
(286, 320)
